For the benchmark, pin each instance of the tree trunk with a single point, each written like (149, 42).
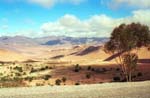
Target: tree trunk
(130, 76)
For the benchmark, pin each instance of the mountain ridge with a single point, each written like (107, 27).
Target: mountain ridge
(51, 40)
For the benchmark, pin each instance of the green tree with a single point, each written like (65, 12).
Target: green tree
(124, 39)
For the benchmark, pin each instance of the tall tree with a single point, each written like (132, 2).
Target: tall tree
(124, 39)
(130, 61)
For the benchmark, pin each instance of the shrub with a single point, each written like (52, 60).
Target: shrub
(29, 79)
(139, 74)
(88, 76)
(116, 79)
(46, 77)
(5, 78)
(46, 67)
(134, 76)
(24, 73)
(50, 67)
(117, 69)
(18, 68)
(33, 70)
(89, 68)
(93, 69)
(39, 84)
(42, 69)
(77, 83)
(58, 82)
(18, 74)
(104, 69)
(64, 79)
(77, 68)
(17, 79)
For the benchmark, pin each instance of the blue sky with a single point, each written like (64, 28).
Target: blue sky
(87, 18)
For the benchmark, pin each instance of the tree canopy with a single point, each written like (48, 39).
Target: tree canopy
(127, 37)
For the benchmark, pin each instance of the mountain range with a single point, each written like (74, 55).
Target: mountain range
(50, 40)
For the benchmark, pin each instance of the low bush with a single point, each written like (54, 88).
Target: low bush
(93, 69)
(89, 68)
(33, 70)
(77, 83)
(88, 76)
(116, 79)
(139, 74)
(64, 79)
(18, 69)
(117, 69)
(58, 82)
(29, 79)
(46, 77)
(77, 68)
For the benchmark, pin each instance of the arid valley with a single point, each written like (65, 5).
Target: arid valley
(74, 49)
(62, 64)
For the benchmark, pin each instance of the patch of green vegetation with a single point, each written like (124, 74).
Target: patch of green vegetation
(18, 69)
(28, 79)
(46, 77)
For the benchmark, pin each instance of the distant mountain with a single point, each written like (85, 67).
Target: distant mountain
(17, 40)
(75, 40)
(50, 40)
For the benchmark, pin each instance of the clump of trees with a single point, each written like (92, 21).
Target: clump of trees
(123, 40)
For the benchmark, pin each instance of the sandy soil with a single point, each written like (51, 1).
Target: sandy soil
(65, 65)
(106, 90)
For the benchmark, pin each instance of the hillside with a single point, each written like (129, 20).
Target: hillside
(82, 54)
(7, 55)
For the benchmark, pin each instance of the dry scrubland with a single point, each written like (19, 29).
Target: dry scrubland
(72, 65)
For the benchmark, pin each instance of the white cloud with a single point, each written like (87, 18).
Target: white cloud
(97, 25)
(50, 3)
(134, 3)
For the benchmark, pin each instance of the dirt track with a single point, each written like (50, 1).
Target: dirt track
(106, 90)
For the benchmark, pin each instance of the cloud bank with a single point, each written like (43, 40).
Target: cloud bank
(97, 25)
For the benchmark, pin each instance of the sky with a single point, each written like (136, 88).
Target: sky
(75, 18)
